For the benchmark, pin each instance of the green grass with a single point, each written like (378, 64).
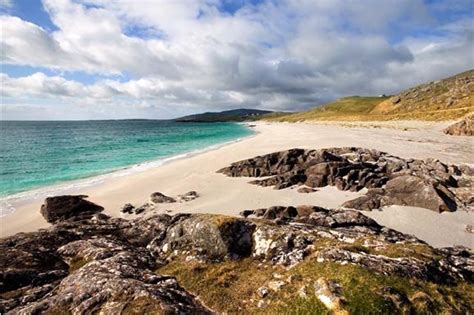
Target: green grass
(347, 106)
(231, 286)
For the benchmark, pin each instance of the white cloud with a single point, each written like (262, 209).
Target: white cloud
(277, 55)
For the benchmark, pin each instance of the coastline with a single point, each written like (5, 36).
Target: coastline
(91, 181)
(224, 195)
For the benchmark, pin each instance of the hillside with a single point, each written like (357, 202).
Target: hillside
(446, 99)
(241, 114)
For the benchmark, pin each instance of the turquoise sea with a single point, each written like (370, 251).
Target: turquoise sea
(35, 154)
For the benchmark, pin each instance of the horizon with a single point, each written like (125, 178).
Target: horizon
(82, 60)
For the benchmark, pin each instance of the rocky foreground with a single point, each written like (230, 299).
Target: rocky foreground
(389, 180)
(284, 260)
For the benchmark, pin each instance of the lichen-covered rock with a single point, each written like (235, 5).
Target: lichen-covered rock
(434, 270)
(205, 236)
(286, 245)
(117, 279)
(60, 208)
(390, 180)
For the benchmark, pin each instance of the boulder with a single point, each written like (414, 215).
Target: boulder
(464, 127)
(158, 197)
(395, 99)
(205, 237)
(190, 195)
(127, 208)
(55, 209)
(413, 191)
(329, 293)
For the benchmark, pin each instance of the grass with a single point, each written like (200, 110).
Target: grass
(231, 287)
(347, 106)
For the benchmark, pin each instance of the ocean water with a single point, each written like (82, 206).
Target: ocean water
(36, 154)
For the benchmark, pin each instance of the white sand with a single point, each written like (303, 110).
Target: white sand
(225, 195)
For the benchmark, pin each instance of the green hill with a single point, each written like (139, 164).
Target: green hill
(446, 99)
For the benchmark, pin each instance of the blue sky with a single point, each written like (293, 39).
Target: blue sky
(87, 59)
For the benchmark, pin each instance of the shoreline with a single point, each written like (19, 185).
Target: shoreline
(229, 195)
(91, 181)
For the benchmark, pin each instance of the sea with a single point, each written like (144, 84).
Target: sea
(35, 154)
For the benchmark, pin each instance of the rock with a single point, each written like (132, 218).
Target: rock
(306, 190)
(55, 209)
(127, 208)
(464, 127)
(114, 282)
(283, 246)
(303, 292)
(100, 264)
(277, 275)
(330, 294)
(247, 213)
(469, 228)
(190, 195)
(295, 278)
(435, 270)
(262, 292)
(367, 202)
(413, 191)
(438, 186)
(145, 208)
(158, 197)
(206, 238)
(395, 99)
(276, 285)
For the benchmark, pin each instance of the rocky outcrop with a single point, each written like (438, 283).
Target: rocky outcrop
(464, 127)
(113, 279)
(390, 180)
(99, 264)
(65, 207)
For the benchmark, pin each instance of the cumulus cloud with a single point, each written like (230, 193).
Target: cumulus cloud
(184, 56)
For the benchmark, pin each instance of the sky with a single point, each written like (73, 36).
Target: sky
(158, 59)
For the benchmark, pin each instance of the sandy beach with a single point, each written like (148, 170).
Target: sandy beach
(225, 195)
